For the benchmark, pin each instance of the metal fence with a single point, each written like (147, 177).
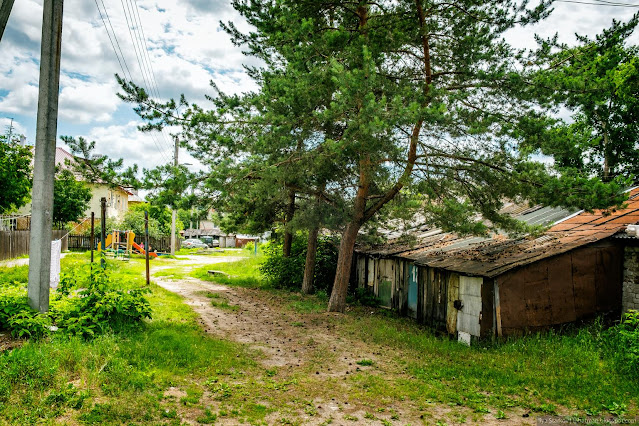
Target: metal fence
(16, 243)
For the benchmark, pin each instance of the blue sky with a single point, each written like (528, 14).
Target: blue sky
(186, 48)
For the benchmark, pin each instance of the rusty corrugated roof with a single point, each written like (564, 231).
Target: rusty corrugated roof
(493, 256)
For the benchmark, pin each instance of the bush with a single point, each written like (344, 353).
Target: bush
(622, 343)
(288, 272)
(96, 307)
(364, 297)
(12, 301)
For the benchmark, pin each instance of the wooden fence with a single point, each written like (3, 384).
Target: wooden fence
(161, 244)
(16, 243)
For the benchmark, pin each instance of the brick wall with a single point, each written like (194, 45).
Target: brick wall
(630, 299)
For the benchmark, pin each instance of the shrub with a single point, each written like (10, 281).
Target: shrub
(364, 297)
(622, 343)
(12, 301)
(288, 272)
(98, 307)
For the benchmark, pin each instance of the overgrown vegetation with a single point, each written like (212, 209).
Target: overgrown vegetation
(622, 344)
(88, 302)
(118, 376)
(166, 369)
(288, 272)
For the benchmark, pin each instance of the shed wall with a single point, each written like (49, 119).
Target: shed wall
(561, 289)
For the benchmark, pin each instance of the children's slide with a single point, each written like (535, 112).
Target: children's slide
(141, 250)
(107, 243)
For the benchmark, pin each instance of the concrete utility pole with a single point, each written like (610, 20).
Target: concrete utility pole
(5, 11)
(44, 162)
(173, 210)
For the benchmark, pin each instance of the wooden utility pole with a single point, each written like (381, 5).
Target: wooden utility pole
(103, 230)
(146, 246)
(173, 210)
(44, 161)
(5, 11)
(92, 234)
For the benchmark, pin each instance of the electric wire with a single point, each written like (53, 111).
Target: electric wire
(137, 50)
(609, 4)
(127, 74)
(144, 54)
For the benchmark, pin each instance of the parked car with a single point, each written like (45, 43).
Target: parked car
(210, 241)
(193, 243)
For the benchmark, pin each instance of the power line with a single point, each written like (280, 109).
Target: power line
(127, 74)
(115, 42)
(144, 54)
(601, 3)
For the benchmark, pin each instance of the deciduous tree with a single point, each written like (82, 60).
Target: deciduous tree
(15, 175)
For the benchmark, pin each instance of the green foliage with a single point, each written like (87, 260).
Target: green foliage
(288, 272)
(87, 303)
(364, 297)
(134, 220)
(70, 198)
(13, 300)
(15, 176)
(622, 344)
(598, 82)
(98, 168)
(99, 306)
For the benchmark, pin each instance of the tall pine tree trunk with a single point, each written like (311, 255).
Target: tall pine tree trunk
(311, 256)
(337, 302)
(288, 234)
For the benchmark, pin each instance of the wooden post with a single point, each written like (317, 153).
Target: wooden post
(146, 246)
(92, 234)
(103, 230)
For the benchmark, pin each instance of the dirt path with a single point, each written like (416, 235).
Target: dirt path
(20, 262)
(307, 345)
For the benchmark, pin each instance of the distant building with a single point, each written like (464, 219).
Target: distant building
(117, 197)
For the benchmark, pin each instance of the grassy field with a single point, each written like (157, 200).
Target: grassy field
(116, 378)
(169, 370)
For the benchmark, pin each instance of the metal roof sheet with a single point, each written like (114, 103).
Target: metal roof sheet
(492, 256)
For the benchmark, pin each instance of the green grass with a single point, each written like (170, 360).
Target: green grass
(219, 301)
(537, 372)
(121, 378)
(118, 378)
(210, 252)
(243, 273)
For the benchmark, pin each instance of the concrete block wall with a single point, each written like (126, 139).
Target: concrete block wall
(630, 298)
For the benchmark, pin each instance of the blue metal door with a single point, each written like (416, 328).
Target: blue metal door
(412, 290)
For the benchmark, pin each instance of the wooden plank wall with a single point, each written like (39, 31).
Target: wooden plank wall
(16, 243)
(562, 289)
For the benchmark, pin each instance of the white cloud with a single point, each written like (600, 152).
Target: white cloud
(187, 48)
(85, 102)
(22, 100)
(16, 127)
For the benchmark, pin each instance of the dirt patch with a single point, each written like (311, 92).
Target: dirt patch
(7, 342)
(309, 346)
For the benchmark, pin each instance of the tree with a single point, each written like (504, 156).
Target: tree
(70, 198)
(99, 168)
(598, 81)
(15, 175)
(134, 221)
(379, 97)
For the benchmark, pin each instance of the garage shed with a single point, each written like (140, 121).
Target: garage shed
(477, 287)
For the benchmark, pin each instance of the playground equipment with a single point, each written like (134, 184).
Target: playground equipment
(123, 242)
